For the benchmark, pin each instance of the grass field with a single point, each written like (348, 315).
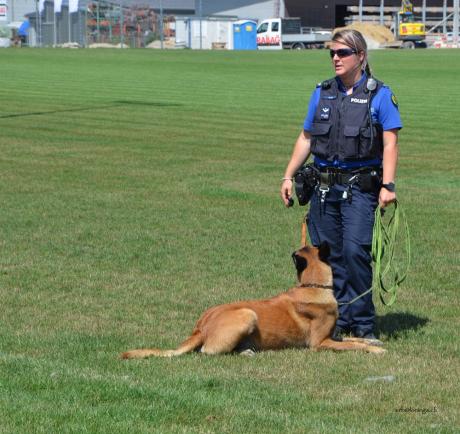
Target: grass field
(140, 187)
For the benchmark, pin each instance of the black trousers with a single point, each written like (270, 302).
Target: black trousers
(347, 227)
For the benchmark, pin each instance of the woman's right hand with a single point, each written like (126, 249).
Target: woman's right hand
(286, 191)
(299, 156)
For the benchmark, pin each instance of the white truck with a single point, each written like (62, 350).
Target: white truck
(279, 33)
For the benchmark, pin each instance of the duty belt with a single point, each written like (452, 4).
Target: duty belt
(330, 176)
(365, 177)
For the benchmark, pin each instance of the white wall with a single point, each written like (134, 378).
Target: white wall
(18, 8)
(243, 9)
(188, 33)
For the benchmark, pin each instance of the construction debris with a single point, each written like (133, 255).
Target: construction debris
(70, 45)
(105, 45)
(168, 43)
(376, 36)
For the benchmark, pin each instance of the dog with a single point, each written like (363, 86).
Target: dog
(302, 317)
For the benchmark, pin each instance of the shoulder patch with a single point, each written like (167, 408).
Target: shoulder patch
(394, 100)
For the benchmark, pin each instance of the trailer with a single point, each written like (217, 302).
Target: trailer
(287, 33)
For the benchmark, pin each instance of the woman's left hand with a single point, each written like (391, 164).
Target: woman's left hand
(386, 197)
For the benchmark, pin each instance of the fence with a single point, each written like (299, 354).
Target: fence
(101, 22)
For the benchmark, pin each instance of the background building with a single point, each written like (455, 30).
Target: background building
(17, 9)
(314, 13)
(136, 22)
(337, 13)
(254, 9)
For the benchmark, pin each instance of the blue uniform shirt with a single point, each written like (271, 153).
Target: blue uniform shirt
(384, 111)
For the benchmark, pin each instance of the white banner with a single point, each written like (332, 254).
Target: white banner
(57, 5)
(73, 6)
(3, 10)
(41, 5)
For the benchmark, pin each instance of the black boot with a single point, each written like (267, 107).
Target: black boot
(338, 334)
(369, 336)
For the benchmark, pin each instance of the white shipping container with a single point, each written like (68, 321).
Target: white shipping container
(213, 31)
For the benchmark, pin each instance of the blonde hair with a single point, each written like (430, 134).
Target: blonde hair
(355, 40)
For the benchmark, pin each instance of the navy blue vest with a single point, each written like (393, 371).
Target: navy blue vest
(341, 125)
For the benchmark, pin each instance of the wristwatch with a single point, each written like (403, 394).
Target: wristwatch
(390, 186)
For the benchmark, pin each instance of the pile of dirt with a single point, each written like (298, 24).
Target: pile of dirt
(168, 43)
(105, 45)
(70, 45)
(375, 35)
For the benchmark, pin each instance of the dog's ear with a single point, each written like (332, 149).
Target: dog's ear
(324, 251)
(300, 262)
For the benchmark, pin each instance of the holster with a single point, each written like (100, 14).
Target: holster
(370, 181)
(306, 180)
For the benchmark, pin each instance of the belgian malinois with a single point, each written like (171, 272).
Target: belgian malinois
(302, 317)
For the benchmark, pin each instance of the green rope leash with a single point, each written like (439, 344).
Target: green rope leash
(388, 274)
(389, 271)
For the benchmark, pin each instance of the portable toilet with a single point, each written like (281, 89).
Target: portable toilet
(245, 35)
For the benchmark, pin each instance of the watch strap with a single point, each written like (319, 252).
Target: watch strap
(390, 186)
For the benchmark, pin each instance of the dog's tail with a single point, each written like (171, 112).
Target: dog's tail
(189, 345)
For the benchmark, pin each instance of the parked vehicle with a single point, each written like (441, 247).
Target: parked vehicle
(410, 32)
(279, 33)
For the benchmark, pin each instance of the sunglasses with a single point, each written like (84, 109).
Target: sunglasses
(342, 52)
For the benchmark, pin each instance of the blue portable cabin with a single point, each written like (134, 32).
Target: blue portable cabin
(245, 35)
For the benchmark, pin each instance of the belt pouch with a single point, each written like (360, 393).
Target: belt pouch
(369, 182)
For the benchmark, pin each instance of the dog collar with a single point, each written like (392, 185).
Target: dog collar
(315, 285)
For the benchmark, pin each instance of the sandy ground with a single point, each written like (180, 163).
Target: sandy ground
(375, 34)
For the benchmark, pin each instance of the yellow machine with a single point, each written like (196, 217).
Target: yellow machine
(410, 32)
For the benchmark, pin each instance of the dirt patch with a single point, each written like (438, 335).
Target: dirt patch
(105, 45)
(168, 43)
(374, 34)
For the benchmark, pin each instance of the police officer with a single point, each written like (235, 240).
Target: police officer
(351, 129)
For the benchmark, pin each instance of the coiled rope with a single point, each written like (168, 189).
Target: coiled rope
(389, 271)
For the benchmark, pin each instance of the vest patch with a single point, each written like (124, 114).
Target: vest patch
(359, 100)
(325, 112)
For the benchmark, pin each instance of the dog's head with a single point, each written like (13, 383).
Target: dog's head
(312, 266)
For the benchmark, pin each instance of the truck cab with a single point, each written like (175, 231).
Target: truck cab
(269, 34)
(279, 33)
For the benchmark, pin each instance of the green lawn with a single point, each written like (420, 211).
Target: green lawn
(140, 187)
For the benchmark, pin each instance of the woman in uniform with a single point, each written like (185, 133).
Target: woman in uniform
(351, 129)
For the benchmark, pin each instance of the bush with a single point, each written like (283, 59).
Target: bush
(5, 32)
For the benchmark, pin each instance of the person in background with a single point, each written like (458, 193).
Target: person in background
(23, 32)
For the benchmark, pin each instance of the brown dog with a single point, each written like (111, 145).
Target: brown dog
(302, 317)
